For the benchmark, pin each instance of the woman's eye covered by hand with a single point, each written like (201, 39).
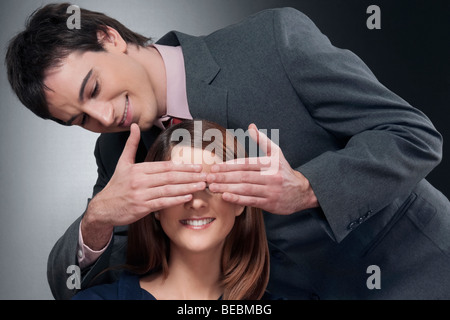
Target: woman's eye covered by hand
(210, 192)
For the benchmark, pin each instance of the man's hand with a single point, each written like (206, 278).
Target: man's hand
(267, 182)
(136, 190)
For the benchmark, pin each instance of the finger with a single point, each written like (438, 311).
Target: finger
(166, 202)
(255, 190)
(168, 179)
(131, 146)
(174, 190)
(167, 166)
(247, 164)
(250, 201)
(237, 177)
(264, 143)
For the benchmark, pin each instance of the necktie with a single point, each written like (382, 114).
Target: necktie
(172, 121)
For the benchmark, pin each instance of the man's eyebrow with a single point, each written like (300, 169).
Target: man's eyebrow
(80, 97)
(83, 85)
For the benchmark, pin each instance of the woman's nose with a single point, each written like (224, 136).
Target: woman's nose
(199, 200)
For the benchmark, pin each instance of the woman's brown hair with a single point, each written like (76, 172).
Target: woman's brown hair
(245, 256)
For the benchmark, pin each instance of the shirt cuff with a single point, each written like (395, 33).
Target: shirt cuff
(86, 256)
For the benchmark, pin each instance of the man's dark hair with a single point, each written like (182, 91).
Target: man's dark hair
(46, 41)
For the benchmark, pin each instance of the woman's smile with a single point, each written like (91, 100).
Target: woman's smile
(197, 224)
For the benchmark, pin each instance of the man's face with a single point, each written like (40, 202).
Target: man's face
(101, 91)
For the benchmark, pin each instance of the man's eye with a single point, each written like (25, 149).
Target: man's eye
(95, 91)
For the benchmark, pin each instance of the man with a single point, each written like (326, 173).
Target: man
(349, 197)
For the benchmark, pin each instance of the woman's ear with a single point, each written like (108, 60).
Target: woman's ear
(238, 210)
(156, 213)
(112, 40)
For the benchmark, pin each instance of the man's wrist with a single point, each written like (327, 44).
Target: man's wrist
(309, 199)
(96, 234)
(86, 255)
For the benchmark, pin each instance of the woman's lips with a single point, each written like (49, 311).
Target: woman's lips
(197, 224)
(127, 114)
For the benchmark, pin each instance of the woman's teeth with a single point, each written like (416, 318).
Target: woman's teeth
(197, 223)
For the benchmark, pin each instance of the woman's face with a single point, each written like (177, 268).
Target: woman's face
(203, 223)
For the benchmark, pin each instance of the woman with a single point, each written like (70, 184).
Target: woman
(203, 249)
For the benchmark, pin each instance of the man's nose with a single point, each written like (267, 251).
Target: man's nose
(103, 112)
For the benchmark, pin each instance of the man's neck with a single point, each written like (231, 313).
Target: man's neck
(153, 63)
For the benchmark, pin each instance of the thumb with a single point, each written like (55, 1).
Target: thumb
(264, 143)
(131, 146)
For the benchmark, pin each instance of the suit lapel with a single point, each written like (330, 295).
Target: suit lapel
(205, 100)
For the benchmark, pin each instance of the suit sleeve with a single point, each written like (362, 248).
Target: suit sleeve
(61, 257)
(389, 145)
(64, 252)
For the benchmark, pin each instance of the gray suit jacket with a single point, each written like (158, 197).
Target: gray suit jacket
(364, 150)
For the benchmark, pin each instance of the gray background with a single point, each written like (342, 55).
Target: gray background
(47, 171)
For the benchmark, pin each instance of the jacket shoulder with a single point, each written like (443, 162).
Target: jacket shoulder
(278, 14)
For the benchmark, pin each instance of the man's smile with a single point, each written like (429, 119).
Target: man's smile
(127, 116)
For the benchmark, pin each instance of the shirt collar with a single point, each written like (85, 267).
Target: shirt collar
(176, 102)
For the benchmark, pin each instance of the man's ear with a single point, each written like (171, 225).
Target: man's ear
(111, 40)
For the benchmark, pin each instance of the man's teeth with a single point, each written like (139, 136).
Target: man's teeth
(125, 113)
(197, 223)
